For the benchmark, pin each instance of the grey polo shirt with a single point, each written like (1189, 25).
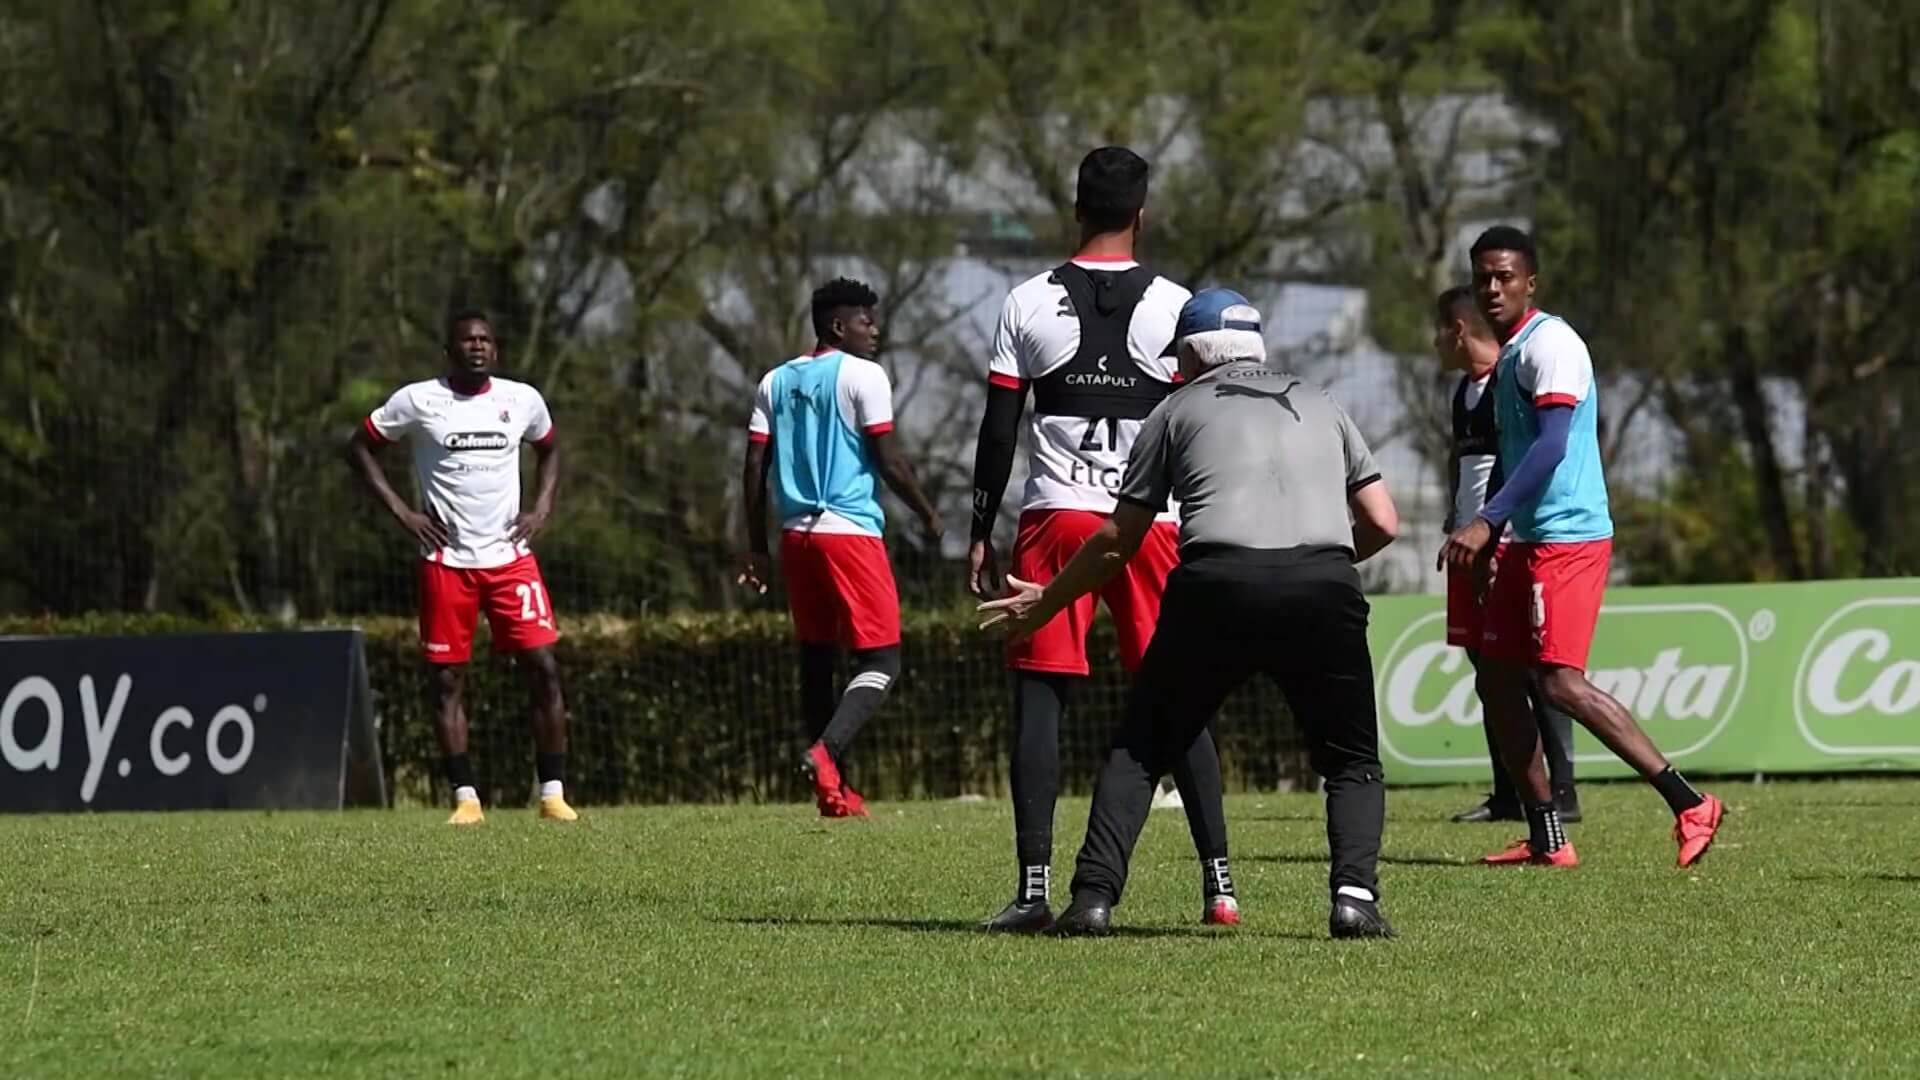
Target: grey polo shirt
(1256, 458)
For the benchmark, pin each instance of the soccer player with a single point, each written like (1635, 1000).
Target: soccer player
(465, 429)
(822, 430)
(1092, 339)
(1544, 598)
(1465, 343)
(1279, 498)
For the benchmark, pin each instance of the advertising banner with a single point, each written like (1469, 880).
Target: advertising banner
(198, 721)
(1806, 677)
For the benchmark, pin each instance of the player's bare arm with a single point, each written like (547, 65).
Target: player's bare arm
(547, 486)
(1376, 522)
(1109, 549)
(898, 474)
(363, 453)
(756, 565)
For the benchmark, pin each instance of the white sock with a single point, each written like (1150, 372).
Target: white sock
(465, 794)
(550, 788)
(1354, 891)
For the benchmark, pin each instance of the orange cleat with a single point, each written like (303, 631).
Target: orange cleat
(1694, 829)
(1521, 853)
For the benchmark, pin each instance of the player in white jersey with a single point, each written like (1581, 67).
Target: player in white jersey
(465, 429)
(1092, 339)
(1465, 343)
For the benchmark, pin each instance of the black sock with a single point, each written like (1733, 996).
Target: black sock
(1215, 878)
(1035, 883)
(1674, 788)
(873, 674)
(816, 689)
(552, 767)
(459, 770)
(1544, 831)
(1039, 701)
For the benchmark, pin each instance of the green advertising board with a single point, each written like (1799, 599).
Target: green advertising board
(1813, 677)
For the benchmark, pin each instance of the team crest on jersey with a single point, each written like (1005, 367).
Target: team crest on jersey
(504, 417)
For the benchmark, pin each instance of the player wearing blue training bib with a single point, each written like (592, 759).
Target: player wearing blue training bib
(821, 437)
(1543, 600)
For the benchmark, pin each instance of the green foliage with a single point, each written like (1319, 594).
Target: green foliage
(702, 707)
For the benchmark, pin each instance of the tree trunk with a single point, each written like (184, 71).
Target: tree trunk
(1768, 478)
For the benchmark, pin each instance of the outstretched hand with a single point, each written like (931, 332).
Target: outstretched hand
(1019, 613)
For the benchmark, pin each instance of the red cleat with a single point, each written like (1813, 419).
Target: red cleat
(1521, 853)
(850, 800)
(1221, 911)
(1694, 829)
(830, 793)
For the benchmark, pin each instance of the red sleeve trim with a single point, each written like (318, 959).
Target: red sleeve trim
(545, 440)
(884, 427)
(1178, 379)
(1548, 401)
(1006, 382)
(378, 438)
(759, 438)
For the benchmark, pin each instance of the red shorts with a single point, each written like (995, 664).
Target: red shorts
(1046, 542)
(840, 589)
(1465, 611)
(1544, 603)
(515, 599)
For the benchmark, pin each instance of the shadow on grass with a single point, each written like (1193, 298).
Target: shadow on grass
(960, 926)
(1320, 859)
(1896, 879)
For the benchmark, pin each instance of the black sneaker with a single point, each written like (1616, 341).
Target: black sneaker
(1492, 811)
(1354, 918)
(1087, 916)
(1021, 918)
(1567, 801)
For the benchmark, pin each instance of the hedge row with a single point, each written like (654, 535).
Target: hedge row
(702, 708)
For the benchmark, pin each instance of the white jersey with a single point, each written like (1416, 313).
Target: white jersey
(1075, 462)
(466, 459)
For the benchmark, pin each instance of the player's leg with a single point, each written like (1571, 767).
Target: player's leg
(1556, 745)
(870, 628)
(1325, 669)
(1133, 598)
(817, 615)
(1508, 646)
(1570, 581)
(1190, 668)
(520, 614)
(1463, 632)
(1045, 668)
(449, 606)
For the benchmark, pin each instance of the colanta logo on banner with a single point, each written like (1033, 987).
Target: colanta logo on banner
(1857, 689)
(1682, 668)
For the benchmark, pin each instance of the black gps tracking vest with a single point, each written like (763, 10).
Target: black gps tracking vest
(1474, 432)
(1101, 380)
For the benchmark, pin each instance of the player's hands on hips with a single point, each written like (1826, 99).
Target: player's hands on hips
(1465, 547)
(1020, 612)
(527, 526)
(983, 570)
(756, 569)
(429, 530)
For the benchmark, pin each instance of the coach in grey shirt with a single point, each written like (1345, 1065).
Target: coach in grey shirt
(1279, 498)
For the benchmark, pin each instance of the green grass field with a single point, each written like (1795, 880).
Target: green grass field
(761, 941)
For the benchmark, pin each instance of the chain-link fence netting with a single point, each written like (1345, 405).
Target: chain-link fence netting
(229, 232)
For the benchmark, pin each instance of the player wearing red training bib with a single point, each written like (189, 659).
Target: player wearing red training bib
(464, 430)
(1091, 342)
